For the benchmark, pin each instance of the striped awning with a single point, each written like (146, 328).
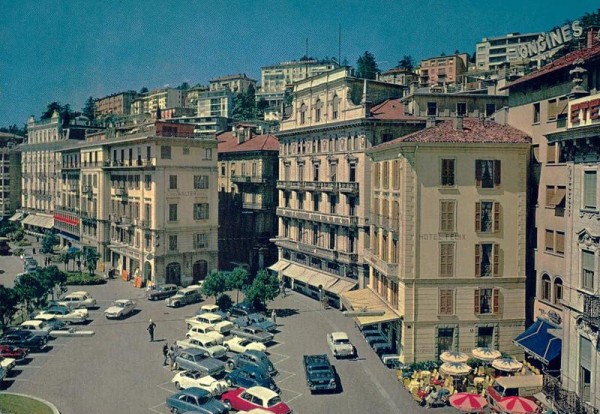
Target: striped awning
(368, 300)
(279, 266)
(16, 217)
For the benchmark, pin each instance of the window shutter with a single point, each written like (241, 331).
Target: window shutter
(496, 301)
(496, 259)
(496, 217)
(477, 260)
(477, 308)
(477, 216)
(478, 172)
(497, 172)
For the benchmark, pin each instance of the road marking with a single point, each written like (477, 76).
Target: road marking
(153, 409)
(290, 375)
(32, 366)
(293, 392)
(382, 391)
(17, 379)
(165, 389)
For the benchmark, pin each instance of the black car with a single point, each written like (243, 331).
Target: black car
(25, 339)
(241, 309)
(320, 375)
(162, 292)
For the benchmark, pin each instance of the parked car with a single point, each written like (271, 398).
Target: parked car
(340, 345)
(3, 373)
(79, 299)
(205, 329)
(25, 339)
(196, 400)
(63, 313)
(240, 345)
(525, 386)
(253, 332)
(252, 358)
(36, 327)
(319, 373)
(241, 309)
(256, 319)
(185, 296)
(256, 398)
(204, 343)
(10, 351)
(120, 308)
(193, 359)
(250, 376)
(162, 292)
(7, 363)
(188, 379)
(217, 321)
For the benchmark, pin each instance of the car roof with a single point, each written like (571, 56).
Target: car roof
(339, 335)
(195, 391)
(253, 369)
(203, 325)
(168, 285)
(210, 315)
(122, 300)
(79, 292)
(210, 307)
(264, 393)
(194, 351)
(33, 322)
(256, 353)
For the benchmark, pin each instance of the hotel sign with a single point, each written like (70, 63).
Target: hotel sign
(550, 41)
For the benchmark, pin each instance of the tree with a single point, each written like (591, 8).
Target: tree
(244, 105)
(29, 290)
(407, 63)
(50, 109)
(366, 66)
(238, 280)
(48, 242)
(50, 277)
(263, 289)
(214, 284)
(89, 109)
(8, 305)
(184, 86)
(90, 259)
(144, 90)
(64, 257)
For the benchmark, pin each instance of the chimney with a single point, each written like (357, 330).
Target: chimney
(457, 123)
(430, 121)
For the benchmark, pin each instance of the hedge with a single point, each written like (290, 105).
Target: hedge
(80, 279)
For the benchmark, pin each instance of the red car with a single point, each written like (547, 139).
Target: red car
(9, 351)
(256, 397)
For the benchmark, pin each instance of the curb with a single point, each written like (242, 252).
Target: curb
(50, 405)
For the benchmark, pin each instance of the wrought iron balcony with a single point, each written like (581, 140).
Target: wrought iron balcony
(336, 219)
(591, 309)
(329, 186)
(564, 400)
(249, 179)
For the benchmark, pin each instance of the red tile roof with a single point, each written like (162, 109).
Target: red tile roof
(228, 143)
(390, 109)
(558, 64)
(474, 131)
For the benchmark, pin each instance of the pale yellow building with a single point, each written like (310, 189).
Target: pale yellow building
(323, 179)
(446, 254)
(146, 199)
(159, 98)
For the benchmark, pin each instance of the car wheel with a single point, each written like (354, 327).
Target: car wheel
(175, 366)
(189, 326)
(229, 382)
(226, 347)
(231, 365)
(174, 411)
(178, 385)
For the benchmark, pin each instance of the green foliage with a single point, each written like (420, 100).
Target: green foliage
(89, 109)
(14, 129)
(23, 242)
(407, 63)
(17, 252)
(82, 279)
(18, 404)
(17, 235)
(214, 284)
(263, 289)
(48, 242)
(64, 111)
(90, 259)
(144, 90)
(29, 290)
(7, 227)
(366, 66)
(8, 304)
(238, 279)
(590, 19)
(184, 86)
(244, 105)
(224, 302)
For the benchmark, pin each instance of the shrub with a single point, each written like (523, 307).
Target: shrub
(80, 279)
(23, 242)
(17, 252)
(224, 302)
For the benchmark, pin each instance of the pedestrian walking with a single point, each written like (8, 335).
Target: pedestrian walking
(282, 287)
(150, 329)
(165, 353)
(172, 357)
(274, 316)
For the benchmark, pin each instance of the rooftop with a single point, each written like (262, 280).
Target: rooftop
(390, 109)
(228, 142)
(231, 77)
(473, 131)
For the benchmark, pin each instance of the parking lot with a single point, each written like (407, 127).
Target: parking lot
(119, 371)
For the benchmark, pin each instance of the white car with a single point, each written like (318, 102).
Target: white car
(79, 299)
(120, 308)
(340, 345)
(187, 379)
(7, 363)
(241, 345)
(204, 343)
(205, 329)
(63, 313)
(216, 321)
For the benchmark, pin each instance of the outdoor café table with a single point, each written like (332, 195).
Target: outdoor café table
(478, 380)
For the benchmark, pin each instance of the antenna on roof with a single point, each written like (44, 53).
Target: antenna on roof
(340, 44)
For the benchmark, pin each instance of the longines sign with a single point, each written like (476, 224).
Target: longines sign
(550, 41)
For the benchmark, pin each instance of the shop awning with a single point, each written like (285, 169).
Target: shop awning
(539, 342)
(45, 222)
(16, 217)
(366, 299)
(279, 266)
(297, 273)
(30, 219)
(341, 286)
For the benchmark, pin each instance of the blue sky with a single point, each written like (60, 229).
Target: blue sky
(70, 50)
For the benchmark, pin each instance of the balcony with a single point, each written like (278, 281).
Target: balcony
(564, 400)
(121, 191)
(329, 186)
(591, 309)
(257, 206)
(390, 270)
(73, 187)
(335, 219)
(248, 179)
(127, 163)
(87, 189)
(387, 223)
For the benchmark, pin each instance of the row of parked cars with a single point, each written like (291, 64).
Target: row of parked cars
(222, 363)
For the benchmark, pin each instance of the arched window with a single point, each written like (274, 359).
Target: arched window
(546, 287)
(335, 107)
(303, 113)
(318, 107)
(558, 290)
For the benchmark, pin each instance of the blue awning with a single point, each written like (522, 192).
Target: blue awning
(539, 343)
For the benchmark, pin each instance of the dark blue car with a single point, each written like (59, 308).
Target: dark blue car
(250, 376)
(254, 359)
(196, 400)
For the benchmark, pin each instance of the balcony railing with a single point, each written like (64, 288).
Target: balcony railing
(240, 179)
(591, 309)
(332, 186)
(564, 400)
(133, 163)
(121, 192)
(390, 270)
(336, 219)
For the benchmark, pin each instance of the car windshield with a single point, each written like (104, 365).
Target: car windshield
(341, 341)
(273, 401)
(203, 400)
(119, 304)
